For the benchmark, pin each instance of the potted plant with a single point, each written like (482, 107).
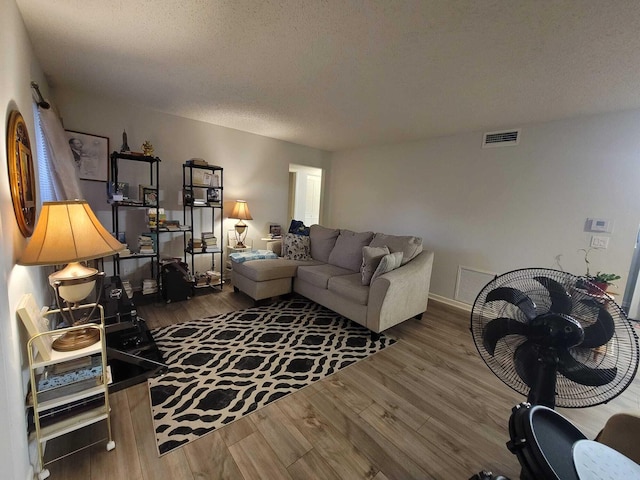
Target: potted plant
(603, 280)
(600, 280)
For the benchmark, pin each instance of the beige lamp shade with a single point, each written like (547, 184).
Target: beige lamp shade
(68, 232)
(241, 211)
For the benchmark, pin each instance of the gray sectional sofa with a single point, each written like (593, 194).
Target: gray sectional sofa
(376, 280)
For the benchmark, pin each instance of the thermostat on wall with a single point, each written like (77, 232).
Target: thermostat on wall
(598, 225)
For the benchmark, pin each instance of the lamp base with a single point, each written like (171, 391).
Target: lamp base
(75, 340)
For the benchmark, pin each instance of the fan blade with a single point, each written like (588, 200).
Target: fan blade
(580, 373)
(600, 332)
(526, 362)
(515, 297)
(498, 328)
(560, 300)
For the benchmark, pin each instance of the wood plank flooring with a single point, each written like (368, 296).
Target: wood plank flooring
(425, 408)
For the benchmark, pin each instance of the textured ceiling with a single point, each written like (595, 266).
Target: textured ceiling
(339, 74)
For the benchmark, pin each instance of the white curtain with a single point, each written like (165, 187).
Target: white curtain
(61, 166)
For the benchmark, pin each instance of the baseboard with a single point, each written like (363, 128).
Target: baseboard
(450, 302)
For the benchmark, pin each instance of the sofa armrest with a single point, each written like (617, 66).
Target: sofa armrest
(400, 294)
(275, 246)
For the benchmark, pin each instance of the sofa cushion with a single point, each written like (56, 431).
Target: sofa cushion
(371, 257)
(323, 240)
(350, 287)
(347, 252)
(296, 247)
(262, 270)
(388, 263)
(319, 275)
(409, 246)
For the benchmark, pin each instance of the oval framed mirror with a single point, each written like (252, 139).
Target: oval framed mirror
(21, 173)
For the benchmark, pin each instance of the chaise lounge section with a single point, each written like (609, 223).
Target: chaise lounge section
(376, 280)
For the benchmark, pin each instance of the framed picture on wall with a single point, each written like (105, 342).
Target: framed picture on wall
(91, 154)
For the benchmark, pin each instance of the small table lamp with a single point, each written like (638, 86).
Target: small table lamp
(241, 212)
(69, 232)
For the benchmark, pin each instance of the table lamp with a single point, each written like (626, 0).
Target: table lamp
(69, 232)
(241, 212)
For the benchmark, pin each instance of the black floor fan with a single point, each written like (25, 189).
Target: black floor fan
(559, 340)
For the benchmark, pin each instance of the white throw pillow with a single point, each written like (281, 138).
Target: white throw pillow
(387, 263)
(371, 257)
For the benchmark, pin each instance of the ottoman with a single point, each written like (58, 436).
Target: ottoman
(262, 279)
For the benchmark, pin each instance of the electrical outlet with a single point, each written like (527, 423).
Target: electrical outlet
(598, 241)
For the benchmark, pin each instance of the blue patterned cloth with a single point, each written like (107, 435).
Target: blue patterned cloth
(239, 257)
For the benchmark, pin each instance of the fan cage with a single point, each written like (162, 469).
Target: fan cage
(621, 351)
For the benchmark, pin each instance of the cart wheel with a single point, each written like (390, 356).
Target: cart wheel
(188, 298)
(111, 445)
(169, 301)
(43, 474)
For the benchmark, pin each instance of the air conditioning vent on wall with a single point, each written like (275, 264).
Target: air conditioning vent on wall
(504, 138)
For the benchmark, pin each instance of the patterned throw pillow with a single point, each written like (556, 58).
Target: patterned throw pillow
(296, 247)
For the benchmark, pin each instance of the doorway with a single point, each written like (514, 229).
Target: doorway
(305, 193)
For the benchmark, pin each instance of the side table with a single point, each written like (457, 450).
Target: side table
(131, 351)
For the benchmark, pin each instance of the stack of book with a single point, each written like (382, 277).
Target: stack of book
(196, 245)
(197, 162)
(126, 252)
(146, 245)
(172, 225)
(126, 284)
(149, 286)
(214, 277)
(209, 240)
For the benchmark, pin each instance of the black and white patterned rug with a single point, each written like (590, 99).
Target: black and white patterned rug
(224, 367)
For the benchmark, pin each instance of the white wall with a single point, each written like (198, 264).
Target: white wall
(503, 208)
(256, 168)
(17, 68)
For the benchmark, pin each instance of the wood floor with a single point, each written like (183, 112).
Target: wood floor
(425, 408)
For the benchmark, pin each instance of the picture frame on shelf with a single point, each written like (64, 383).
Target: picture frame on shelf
(35, 322)
(213, 195)
(275, 231)
(149, 195)
(91, 155)
(187, 196)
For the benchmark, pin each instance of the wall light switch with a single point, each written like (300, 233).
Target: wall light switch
(598, 241)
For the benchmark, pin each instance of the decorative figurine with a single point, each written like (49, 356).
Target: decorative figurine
(125, 145)
(147, 148)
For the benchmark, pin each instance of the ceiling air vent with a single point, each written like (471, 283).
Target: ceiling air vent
(504, 138)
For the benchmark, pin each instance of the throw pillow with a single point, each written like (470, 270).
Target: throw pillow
(296, 247)
(347, 252)
(371, 257)
(298, 228)
(387, 263)
(409, 246)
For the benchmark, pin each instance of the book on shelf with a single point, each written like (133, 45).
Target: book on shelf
(172, 225)
(196, 162)
(52, 378)
(149, 286)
